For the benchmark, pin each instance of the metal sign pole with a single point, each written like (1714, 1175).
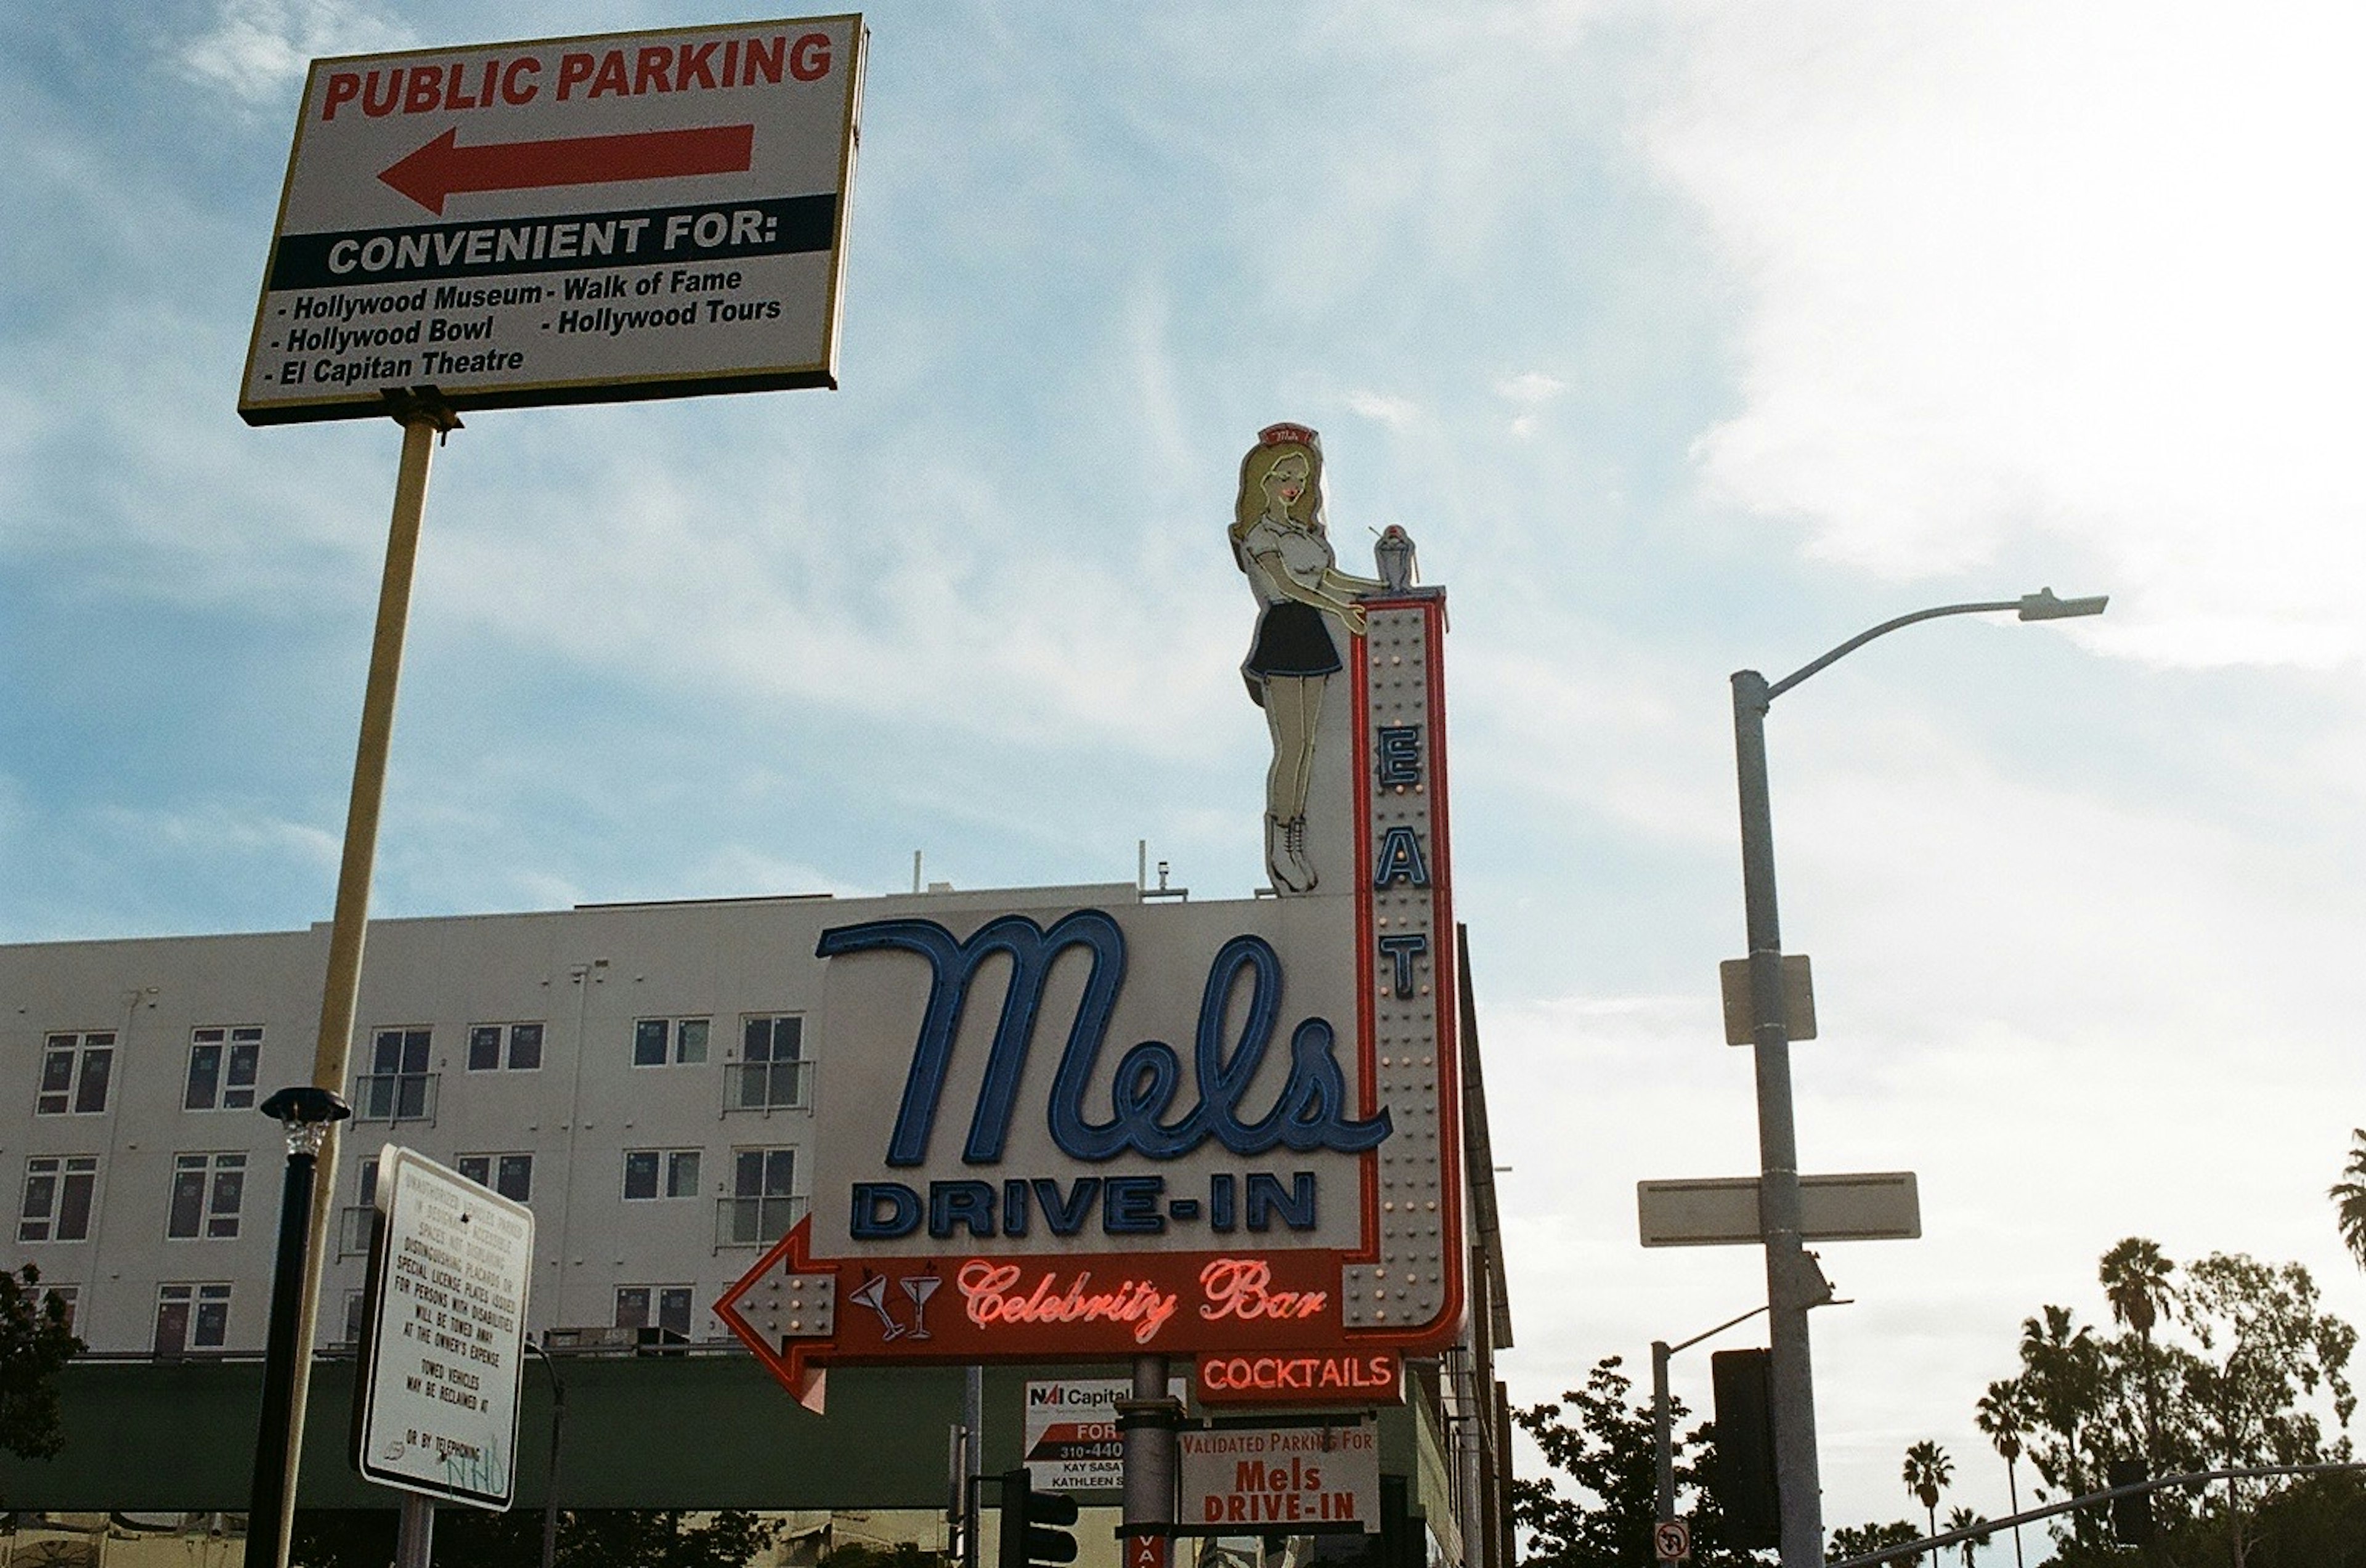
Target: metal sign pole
(424, 417)
(973, 1457)
(414, 1541)
(1146, 1425)
(1794, 1385)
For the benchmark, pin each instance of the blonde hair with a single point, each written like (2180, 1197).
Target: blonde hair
(1274, 443)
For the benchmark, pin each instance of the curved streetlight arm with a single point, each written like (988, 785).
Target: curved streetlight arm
(2042, 605)
(1801, 673)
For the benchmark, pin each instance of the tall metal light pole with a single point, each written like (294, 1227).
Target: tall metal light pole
(1792, 1283)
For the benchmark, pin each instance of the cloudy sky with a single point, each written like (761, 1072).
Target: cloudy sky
(1683, 338)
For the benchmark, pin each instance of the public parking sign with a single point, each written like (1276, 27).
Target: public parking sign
(581, 219)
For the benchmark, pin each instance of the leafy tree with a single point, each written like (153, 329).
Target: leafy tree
(2235, 1364)
(1606, 1449)
(2265, 1349)
(1928, 1470)
(33, 1344)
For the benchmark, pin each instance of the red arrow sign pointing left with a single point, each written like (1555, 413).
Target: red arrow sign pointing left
(443, 167)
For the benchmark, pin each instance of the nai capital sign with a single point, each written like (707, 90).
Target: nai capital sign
(1162, 1128)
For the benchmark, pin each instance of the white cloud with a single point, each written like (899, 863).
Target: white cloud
(933, 598)
(1530, 388)
(2019, 274)
(1397, 414)
(256, 49)
(216, 832)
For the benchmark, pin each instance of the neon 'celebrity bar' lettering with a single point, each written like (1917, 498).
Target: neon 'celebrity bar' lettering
(1311, 1113)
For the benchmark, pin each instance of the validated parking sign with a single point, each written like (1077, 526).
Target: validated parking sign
(564, 220)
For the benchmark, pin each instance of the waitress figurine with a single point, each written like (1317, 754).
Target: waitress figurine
(1304, 605)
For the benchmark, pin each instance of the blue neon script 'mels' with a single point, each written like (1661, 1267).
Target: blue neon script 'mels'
(1311, 1113)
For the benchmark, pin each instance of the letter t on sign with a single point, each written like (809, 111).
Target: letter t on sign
(1400, 950)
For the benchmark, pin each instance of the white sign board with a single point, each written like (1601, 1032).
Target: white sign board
(1278, 1480)
(1072, 1440)
(1071, 1432)
(1722, 1211)
(440, 1378)
(581, 219)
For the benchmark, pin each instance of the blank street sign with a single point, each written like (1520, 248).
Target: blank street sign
(1799, 999)
(1723, 1211)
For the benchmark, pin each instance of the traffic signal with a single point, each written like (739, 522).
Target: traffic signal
(2132, 1515)
(1034, 1524)
(1743, 1481)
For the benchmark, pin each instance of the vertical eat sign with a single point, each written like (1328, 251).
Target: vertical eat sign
(1223, 1129)
(563, 221)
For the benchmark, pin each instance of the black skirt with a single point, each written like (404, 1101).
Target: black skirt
(1292, 639)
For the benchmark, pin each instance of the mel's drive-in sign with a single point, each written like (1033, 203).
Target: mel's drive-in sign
(563, 221)
(1228, 1130)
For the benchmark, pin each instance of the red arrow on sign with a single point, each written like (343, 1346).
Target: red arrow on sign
(443, 167)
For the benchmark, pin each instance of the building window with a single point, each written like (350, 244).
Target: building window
(770, 1073)
(512, 1175)
(357, 1223)
(517, 1047)
(60, 1191)
(661, 1173)
(761, 1208)
(635, 1305)
(206, 1193)
(659, 1040)
(223, 1065)
(356, 1300)
(74, 1073)
(191, 1317)
(398, 1088)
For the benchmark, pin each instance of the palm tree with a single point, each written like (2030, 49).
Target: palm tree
(2002, 1413)
(2348, 1196)
(2062, 1371)
(1928, 1469)
(1965, 1519)
(2134, 1277)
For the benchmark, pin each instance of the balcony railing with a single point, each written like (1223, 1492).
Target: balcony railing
(755, 1222)
(395, 1097)
(767, 1086)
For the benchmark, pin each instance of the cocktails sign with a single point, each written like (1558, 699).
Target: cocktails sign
(1013, 1162)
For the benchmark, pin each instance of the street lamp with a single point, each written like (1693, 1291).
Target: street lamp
(1663, 1433)
(1792, 1284)
(305, 1114)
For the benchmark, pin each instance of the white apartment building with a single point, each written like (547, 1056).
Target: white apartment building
(639, 1073)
